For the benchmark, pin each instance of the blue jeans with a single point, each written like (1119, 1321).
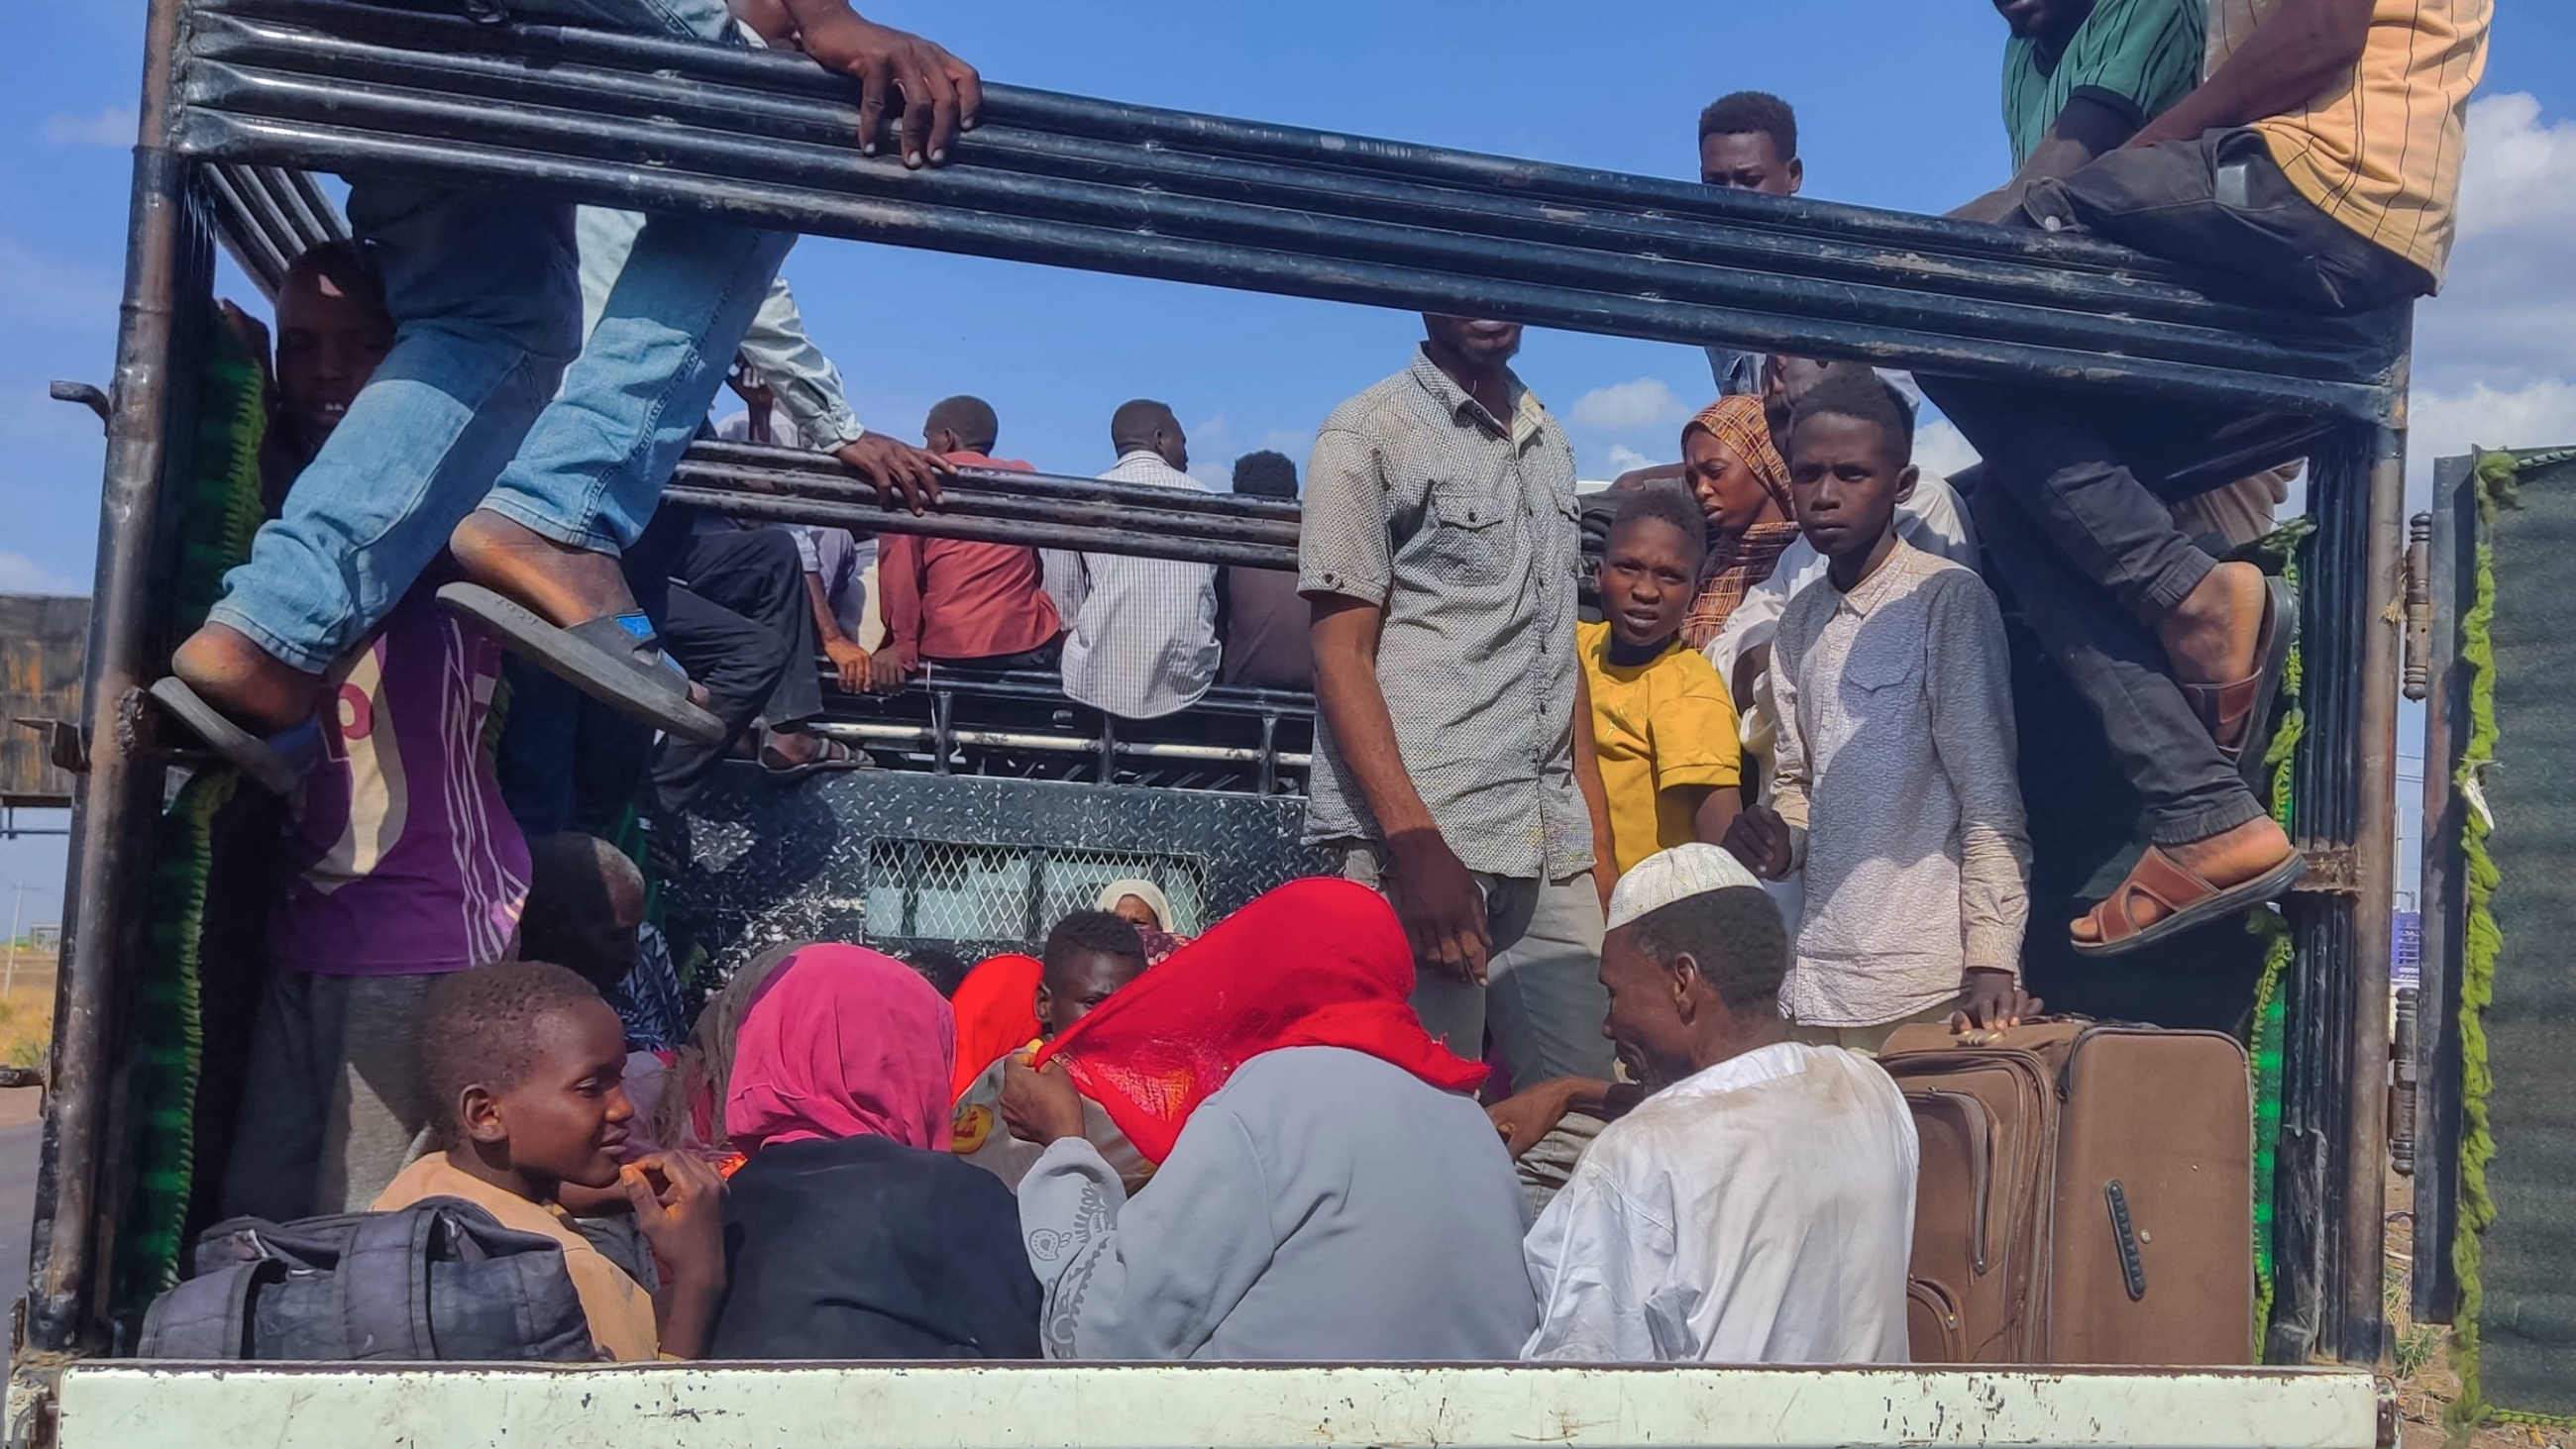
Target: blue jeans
(487, 306)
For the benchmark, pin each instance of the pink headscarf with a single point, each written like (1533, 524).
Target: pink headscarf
(842, 1042)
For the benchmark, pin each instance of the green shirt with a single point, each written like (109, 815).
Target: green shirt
(2137, 55)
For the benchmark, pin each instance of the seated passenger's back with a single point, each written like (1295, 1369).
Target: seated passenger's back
(862, 1247)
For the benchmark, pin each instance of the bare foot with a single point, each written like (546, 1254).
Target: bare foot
(567, 585)
(244, 682)
(2228, 858)
(2210, 636)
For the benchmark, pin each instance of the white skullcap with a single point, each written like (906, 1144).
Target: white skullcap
(1671, 875)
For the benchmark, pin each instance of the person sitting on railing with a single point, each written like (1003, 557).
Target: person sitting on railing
(1260, 620)
(1140, 633)
(1757, 1205)
(457, 445)
(837, 562)
(2315, 169)
(1453, 734)
(955, 600)
(1748, 141)
(1327, 1192)
(2080, 78)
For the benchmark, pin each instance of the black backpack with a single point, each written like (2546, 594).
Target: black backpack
(439, 1280)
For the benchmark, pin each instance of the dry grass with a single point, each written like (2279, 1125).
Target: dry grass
(2425, 1384)
(27, 1012)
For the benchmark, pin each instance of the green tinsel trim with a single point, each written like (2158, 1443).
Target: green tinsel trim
(2483, 943)
(223, 507)
(2263, 1049)
(170, 1030)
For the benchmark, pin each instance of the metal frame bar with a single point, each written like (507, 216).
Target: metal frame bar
(2453, 577)
(670, 125)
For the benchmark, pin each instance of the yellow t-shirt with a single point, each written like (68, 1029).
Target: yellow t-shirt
(619, 1310)
(1657, 726)
(2379, 150)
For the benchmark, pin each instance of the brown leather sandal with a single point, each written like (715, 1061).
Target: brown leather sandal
(2235, 713)
(2188, 900)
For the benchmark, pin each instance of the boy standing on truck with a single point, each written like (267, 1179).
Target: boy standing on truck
(1453, 733)
(1661, 719)
(2314, 168)
(1894, 782)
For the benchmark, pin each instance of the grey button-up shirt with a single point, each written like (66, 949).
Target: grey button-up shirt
(1462, 528)
(1139, 633)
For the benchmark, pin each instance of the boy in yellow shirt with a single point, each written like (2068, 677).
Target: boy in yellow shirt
(1662, 722)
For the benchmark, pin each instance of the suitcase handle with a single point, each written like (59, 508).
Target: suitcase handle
(1979, 1129)
(2133, 1272)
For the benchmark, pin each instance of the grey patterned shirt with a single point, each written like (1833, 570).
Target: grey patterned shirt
(1896, 769)
(1462, 529)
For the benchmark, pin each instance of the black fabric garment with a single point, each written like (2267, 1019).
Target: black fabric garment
(1047, 658)
(740, 622)
(1264, 623)
(866, 1249)
(2067, 509)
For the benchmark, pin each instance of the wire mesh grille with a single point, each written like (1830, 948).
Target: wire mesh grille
(941, 890)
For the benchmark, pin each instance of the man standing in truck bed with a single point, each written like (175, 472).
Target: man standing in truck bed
(1453, 736)
(2315, 168)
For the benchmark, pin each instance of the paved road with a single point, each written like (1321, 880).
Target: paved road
(18, 1149)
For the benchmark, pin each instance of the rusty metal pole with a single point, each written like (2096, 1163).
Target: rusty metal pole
(114, 803)
(2361, 1317)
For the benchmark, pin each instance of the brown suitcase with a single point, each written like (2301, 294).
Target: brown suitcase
(2086, 1195)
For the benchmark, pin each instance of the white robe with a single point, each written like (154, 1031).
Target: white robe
(1761, 1211)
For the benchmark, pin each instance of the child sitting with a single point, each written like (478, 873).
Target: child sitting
(522, 1061)
(1894, 780)
(1662, 724)
(1089, 956)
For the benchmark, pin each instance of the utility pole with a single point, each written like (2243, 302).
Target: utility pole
(9, 979)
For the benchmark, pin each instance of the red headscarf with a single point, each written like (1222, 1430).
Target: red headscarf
(996, 1015)
(842, 1042)
(1317, 962)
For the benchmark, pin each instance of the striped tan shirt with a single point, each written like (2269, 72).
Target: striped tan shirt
(2379, 150)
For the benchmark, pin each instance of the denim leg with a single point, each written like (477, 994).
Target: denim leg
(2114, 662)
(485, 306)
(592, 469)
(2068, 478)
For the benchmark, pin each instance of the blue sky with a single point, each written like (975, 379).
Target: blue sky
(1897, 108)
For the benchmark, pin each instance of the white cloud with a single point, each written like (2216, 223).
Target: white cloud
(2539, 414)
(1624, 458)
(20, 574)
(1629, 407)
(1940, 448)
(111, 127)
(2506, 317)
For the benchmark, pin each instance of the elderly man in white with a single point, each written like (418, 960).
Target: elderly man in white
(1758, 1205)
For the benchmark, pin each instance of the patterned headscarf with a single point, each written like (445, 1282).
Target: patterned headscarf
(1736, 563)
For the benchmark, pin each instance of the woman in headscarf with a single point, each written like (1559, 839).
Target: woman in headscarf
(1327, 1191)
(1743, 490)
(1142, 904)
(850, 1232)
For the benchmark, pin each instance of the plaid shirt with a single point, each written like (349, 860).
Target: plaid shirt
(1462, 529)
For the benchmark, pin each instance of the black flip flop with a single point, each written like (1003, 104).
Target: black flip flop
(277, 764)
(616, 659)
(849, 758)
